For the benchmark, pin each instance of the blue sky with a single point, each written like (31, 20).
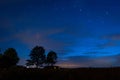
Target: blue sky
(84, 33)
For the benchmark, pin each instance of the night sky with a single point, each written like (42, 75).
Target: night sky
(84, 33)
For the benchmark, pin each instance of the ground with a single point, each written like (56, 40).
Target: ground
(21, 73)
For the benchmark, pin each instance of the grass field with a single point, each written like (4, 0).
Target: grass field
(60, 74)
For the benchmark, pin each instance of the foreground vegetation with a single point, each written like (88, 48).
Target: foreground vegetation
(21, 73)
(10, 71)
(10, 58)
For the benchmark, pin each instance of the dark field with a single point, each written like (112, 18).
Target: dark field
(19, 73)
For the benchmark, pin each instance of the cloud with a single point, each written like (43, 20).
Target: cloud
(112, 37)
(46, 39)
(96, 53)
(109, 41)
(68, 64)
(108, 44)
(31, 37)
(85, 61)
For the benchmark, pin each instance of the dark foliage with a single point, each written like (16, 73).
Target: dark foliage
(51, 58)
(21, 73)
(9, 58)
(29, 62)
(37, 56)
(1, 61)
(51, 67)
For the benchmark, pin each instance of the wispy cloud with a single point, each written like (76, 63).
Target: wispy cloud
(46, 39)
(86, 61)
(107, 44)
(112, 37)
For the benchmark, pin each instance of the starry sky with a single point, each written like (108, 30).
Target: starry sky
(84, 33)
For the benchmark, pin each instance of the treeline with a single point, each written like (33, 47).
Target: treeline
(37, 58)
(8, 58)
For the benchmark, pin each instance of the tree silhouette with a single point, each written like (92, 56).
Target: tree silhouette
(51, 58)
(1, 60)
(29, 62)
(9, 58)
(37, 56)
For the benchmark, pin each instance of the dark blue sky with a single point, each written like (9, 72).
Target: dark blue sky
(84, 33)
